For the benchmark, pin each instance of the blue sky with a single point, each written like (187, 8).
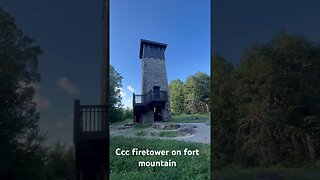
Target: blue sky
(238, 24)
(183, 25)
(69, 31)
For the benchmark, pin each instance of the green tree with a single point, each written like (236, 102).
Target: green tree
(197, 93)
(127, 113)
(115, 106)
(267, 109)
(223, 110)
(60, 163)
(278, 88)
(177, 98)
(253, 96)
(21, 150)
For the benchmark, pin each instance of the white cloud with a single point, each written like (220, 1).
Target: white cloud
(127, 103)
(41, 102)
(67, 86)
(131, 89)
(122, 94)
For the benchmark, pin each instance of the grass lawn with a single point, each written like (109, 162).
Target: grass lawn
(182, 118)
(122, 122)
(169, 134)
(252, 173)
(187, 167)
(191, 118)
(141, 133)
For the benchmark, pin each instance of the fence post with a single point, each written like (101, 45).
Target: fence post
(104, 116)
(134, 99)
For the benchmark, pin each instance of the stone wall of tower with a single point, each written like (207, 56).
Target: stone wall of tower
(154, 74)
(147, 118)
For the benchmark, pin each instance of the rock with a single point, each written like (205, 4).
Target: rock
(187, 131)
(166, 127)
(195, 118)
(158, 126)
(129, 124)
(172, 126)
(123, 127)
(153, 133)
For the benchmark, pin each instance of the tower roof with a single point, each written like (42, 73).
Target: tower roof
(153, 43)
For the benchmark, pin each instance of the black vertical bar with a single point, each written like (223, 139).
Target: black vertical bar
(76, 120)
(86, 119)
(90, 119)
(134, 99)
(104, 119)
(94, 119)
(98, 119)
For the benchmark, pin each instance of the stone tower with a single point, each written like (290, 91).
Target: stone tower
(153, 104)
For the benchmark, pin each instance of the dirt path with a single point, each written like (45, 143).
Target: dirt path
(201, 135)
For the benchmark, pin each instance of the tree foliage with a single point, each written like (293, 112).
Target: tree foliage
(191, 96)
(223, 108)
(60, 163)
(21, 151)
(177, 96)
(269, 105)
(115, 106)
(197, 92)
(127, 113)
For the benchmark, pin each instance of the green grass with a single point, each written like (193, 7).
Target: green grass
(188, 118)
(141, 133)
(251, 173)
(182, 118)
(140, 126)
(169, 134)
(127, 121)
(188, 167)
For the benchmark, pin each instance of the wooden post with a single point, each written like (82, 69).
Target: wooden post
(134, 99)
(76, 120)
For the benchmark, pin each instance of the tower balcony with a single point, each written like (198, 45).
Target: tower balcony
(149, 98)
(90, 122)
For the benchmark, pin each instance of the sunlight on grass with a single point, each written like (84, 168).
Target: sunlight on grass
(190, 118)
(169, 134)
(188, 167)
